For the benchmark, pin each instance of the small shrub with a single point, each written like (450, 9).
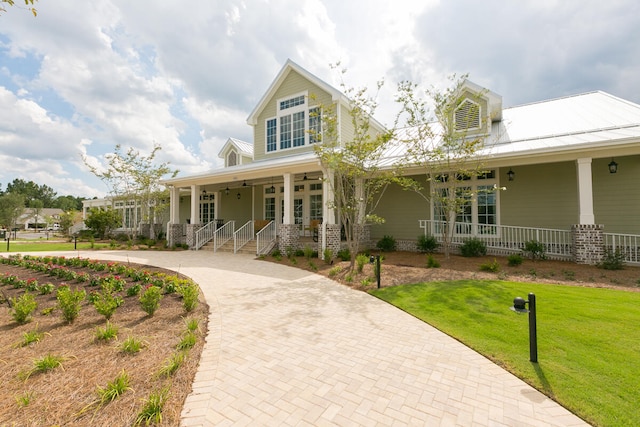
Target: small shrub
(134, 290)
(30, 337)
(432, 262)
(361, 260)
(327, 255)
(366, 281)
(188, 340)
(114, 389)
(334, 271)
(46, 288)
(70, 302)
(344, 254)
(492, 267)
(276, 253)
(23, 307)
(109, 332)
(106, 303)
(473, 247)
(192, 324)
(190, 293)
(172, 364)
(386, 244)
(150, 299)
(348, 278)
(612, 260)
(131, 345)
(427, 244)
(569, 275)
(44, 364)
(313, 266)
(514, 260)
(151, 412)
(308, 252)
(534, 249)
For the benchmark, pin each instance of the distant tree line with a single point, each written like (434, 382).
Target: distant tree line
(30, 192)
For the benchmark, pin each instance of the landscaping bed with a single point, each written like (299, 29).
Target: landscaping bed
(69, 394)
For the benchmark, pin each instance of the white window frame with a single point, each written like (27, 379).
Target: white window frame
(474, 183)
(290, 111)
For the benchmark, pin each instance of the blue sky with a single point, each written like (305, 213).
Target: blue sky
(82, 77)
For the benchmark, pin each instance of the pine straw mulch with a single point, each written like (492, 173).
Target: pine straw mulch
(399, 268)
(64, 396)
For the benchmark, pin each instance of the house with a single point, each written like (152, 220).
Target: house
(131, 214)
(569, 167)
(42, 218)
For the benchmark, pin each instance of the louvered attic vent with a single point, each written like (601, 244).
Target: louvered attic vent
(467, 116)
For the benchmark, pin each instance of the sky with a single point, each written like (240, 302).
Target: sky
(82, 77)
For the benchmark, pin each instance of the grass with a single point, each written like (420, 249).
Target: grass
(109, 332)
(131, 345)
(114, 389)
(151, 412)
(587, 338)
(22, 246)
(44, 364)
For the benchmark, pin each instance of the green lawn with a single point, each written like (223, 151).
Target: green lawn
(28, 246)
(588, 338)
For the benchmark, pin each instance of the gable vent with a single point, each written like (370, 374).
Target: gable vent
(467, 116)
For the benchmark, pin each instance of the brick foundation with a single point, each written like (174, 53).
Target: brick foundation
(289, 237)
(333, 239)
(588, 243)
(191, 234)
(175, 234)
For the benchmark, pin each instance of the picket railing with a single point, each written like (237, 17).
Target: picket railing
(504, 238)
(242, 235)
(265, 238)
(626, 244)
(223, 235)
(204, 234)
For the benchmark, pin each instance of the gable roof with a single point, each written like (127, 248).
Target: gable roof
(243, 148)
(288, 67)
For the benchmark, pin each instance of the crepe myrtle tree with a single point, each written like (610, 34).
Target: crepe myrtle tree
(358, 182)
(134, 179)
(28, 3)
(437, 142)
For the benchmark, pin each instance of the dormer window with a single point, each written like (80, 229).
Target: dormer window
(232, 159)
(467, 116)
(296, 125)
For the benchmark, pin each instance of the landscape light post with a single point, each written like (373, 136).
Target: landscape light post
(519, 306)
(376, 259)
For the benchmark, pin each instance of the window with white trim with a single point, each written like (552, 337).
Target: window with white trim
(207, 208)
(477, 203)
(296, 125)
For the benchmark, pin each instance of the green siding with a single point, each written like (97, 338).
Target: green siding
(401, 209)
(542, 196)
(293, 84)
(616, 197)
(231, 208)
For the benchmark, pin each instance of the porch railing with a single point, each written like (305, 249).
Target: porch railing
(242, 235)
(626, 244)
(504, 238)
(223, 235)
(265, 238)
(204, 234)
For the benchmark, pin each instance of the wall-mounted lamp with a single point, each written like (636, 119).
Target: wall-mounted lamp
(244, 184)
(226, 192)
(519, 306)
(305, 177)
(511, 175)
(613, 166)
(238, 195)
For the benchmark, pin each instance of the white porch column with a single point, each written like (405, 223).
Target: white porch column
(585, 192)
(288, 199)
(328, 198)
(195, 204)
(360, 200)
(174, 205)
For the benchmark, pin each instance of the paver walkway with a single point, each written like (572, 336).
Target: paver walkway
(286, 347)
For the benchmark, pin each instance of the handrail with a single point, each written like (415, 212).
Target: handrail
(223, 234)
(557, 243)
(204, 234)
(265, 238)
(242, 235)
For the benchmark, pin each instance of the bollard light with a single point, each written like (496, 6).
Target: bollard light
(519, 306)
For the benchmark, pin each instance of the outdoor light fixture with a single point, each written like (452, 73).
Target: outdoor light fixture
(238, 195)
(613, 166)
(519, 306)
(226, 192)
(244, 184)
(305, 177)
(511, 174)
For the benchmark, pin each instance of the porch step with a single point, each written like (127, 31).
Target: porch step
(249, 248)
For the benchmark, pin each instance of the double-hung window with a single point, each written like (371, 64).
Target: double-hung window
(295, 125)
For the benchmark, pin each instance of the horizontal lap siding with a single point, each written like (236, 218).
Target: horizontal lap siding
(401, 209)
(542, 196)
(293, 84)
(616, 197)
